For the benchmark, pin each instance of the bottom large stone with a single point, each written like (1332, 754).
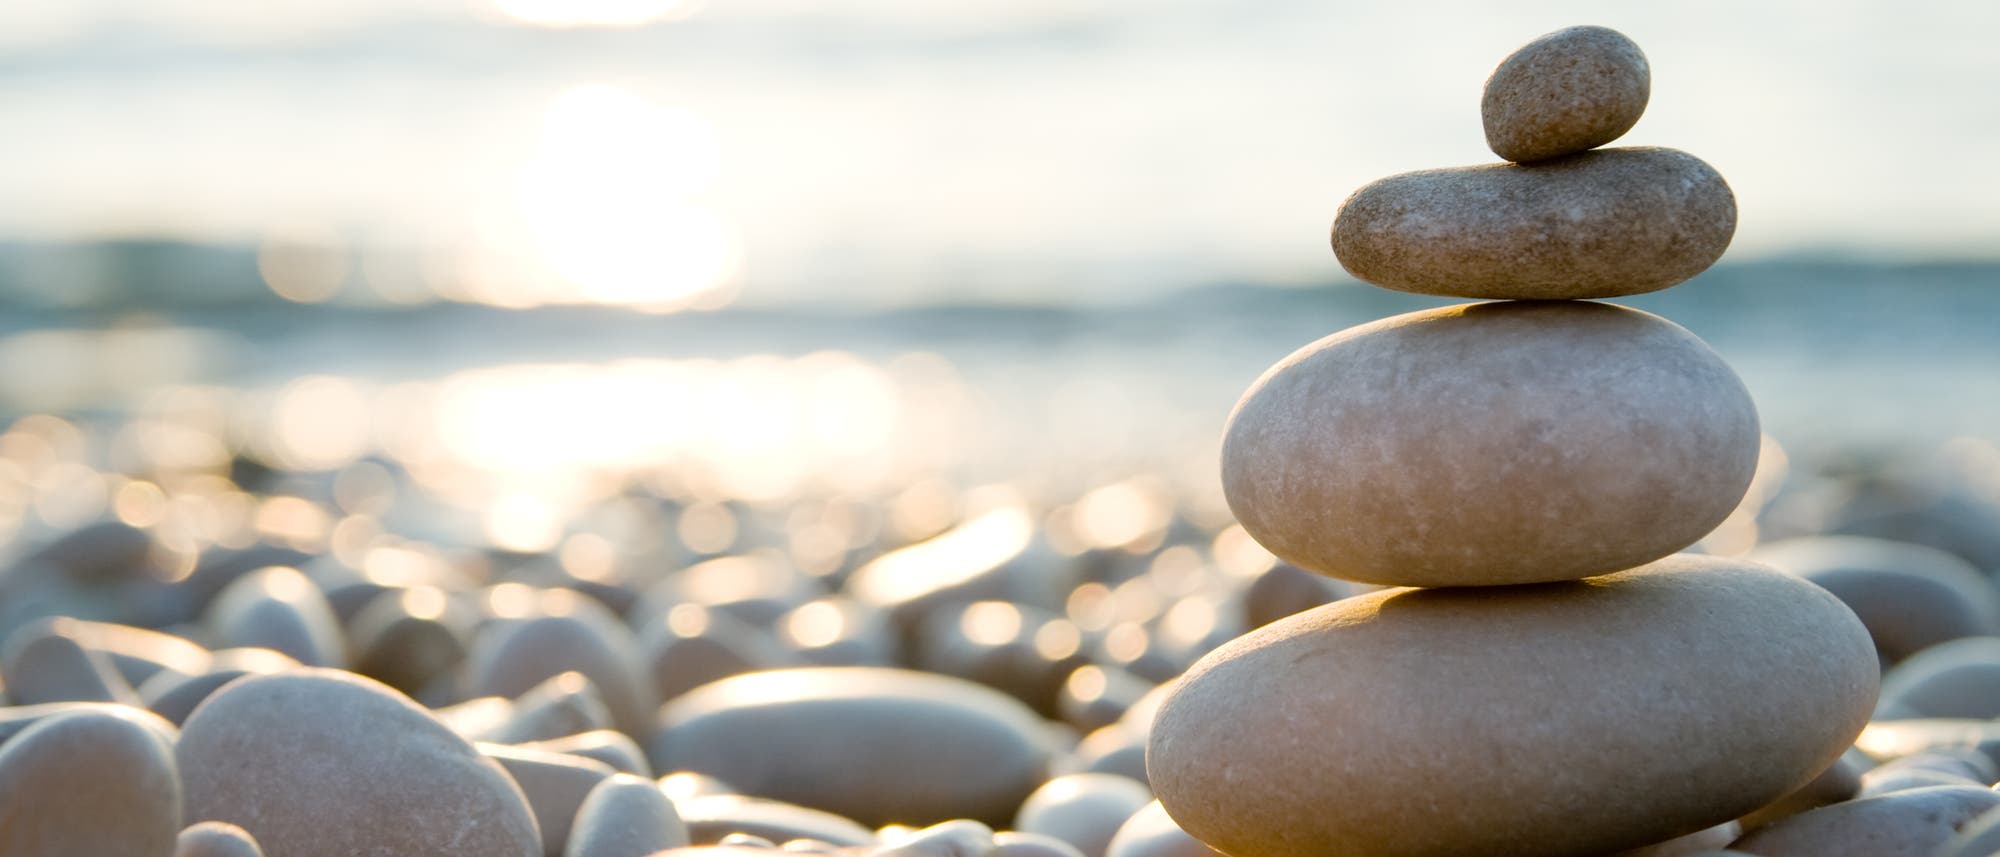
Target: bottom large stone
(1553, 719)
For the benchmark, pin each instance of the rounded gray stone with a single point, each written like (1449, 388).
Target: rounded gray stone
(1568, 91)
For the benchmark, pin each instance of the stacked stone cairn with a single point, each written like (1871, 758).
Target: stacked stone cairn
(1553, 679)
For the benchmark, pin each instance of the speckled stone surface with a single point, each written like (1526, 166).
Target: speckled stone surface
(1571, 90)
(88, 783)
(1573, 718)
(1599, 224)
(1491, 444)
(1914, 823)
(321, 763)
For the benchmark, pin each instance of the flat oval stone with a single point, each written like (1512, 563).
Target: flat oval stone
(604, 745)
(216, 839)
(1561, 719)
(1910, 596)
(1956, 679)
(323, 763)
(625, 816)
(1490, 444)
(1571, 90)
(1598, 224)
(1084, 810)
(711, 818)
(1150, 832)
(1914, 823)
(872, 744)
(88, 782)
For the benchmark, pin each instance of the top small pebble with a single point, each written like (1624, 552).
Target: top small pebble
(1570, 91)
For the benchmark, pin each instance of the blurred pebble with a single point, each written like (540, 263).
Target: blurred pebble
(1094, 696)
(688, 785)
(875, 745)
(604, 745)
(319, 763)
(1979, 838)
(960, 837)
(756, 588)
(1284, 589)
(839, 632)
(89, 782)
(17, 719)
(1150, 832)
(1084, 810)
(745, 840)
(42, 664)
(408, 638)
(690, 645)
(175, 697)
(1893, 739)
(625, 816)
(1914, 823)
(1958, 678)
(1114, 749)
(1015, 843)
(1023, 651)
(511, 657)
(97, 552)
(709, 818)
(277, 608)
(1909, 596)
(137, 653)
(555, 785)
(216, 839)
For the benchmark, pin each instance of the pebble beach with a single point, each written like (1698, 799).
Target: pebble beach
(1541, 575)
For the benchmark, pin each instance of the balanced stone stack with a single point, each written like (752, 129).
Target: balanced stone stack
(1569, 685)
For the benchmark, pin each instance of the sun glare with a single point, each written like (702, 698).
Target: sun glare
(610, 202)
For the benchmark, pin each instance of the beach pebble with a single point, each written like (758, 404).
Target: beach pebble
(408, 638)
(755, 588)
(321, 763)
(1150, 832)
(872, 744)
(1571, 90)
(137, 653)
(1084, 810)
(1886, 741)
(1958, 678)
(709, 818)
(1840, 781)
(604, 745)
(956, 838)
(510, 657)
(1879, 781)
(555, 785)
(840, 632)
(1015, 843)
(1114, 749)
(277, 608)
(981, 559)
(690, 645)
(1347, 729)
(564, 704)
(1980, 838)
(625, 816)
(41, 664)
(1027, 652)
(1556, 440)
(1910, 596)
(1097, 695)
(174, 697)
(1599, 224)
(216, 839)
(688, 785)
(1706, 840)
(88, 783)
(1285, 589)
(1914, 823)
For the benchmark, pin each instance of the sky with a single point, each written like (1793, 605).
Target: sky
(894, 151)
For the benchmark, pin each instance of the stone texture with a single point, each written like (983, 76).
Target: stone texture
(1840, 781)
(1491, 444)
(216, 839)
(1981, 838)
(1599, 224)
(1084, 810)
(875, 745)
(1914, 823)
(321, 763)
(174, 697)
(1910, 596)
(1562, 719)
(1571, 90)
(1706, 840)
(625, 816)
(88, 783)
